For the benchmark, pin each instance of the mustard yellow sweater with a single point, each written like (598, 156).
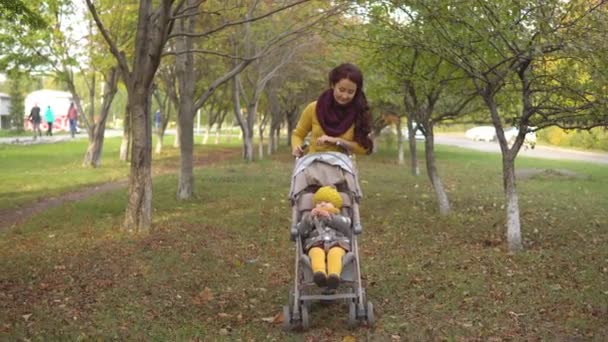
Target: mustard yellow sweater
(310, 124)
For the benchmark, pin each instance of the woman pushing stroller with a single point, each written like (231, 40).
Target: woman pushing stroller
(325, 196)
(339, 120)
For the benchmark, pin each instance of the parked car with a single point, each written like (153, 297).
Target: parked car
(418, 135)
(481, 133)
(529, 141)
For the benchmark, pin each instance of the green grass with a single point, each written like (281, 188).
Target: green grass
(216, 266)
(13, 133)
(30, 172)
(33, 172)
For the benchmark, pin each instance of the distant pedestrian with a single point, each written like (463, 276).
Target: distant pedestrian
(35, 119)
(50, 119)
(157, 119)
(73, 117)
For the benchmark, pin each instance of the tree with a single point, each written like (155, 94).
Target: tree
(154, 24)
(503, 48)
(17, 107)
(432, 90)
(235, 62)
(119, 16)
(17, 11)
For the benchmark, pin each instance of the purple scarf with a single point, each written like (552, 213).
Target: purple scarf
(334, 118)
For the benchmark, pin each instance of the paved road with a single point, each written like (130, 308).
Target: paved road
(443, 139)
(58, 137)
(539, 152)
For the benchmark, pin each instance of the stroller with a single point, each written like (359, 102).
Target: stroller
(310, 173)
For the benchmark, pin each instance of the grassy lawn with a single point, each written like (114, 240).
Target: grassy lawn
(12, 133)
(32, 172)
(220, 267)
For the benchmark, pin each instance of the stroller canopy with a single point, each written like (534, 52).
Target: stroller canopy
(325, 168)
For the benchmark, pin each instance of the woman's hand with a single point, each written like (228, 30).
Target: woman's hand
(297, 152)
(327, 140)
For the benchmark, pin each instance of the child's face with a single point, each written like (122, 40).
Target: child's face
(325, 205)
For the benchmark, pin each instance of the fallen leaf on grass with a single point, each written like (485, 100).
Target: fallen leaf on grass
(278, 318)
(349, 338)
(203, 297)
(26, 317)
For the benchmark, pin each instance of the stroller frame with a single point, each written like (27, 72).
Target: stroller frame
(305, 291)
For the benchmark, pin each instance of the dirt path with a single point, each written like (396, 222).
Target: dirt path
(14, 216)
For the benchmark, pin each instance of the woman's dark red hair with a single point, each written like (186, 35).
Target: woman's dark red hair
(363, 120)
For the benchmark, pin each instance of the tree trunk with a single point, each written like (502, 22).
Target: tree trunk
(125, 145)
(261, 142)
(514, 238)
(292, 117)
(275, 116)
(186, 81)
(246, 131)
(275, 147)
(400, 149)
(138, 217)
(413, 153)
(206, 135)
(431, 169)
(248, 138)
(159, 141)
(247, 148)
(218, 132)
(271, 141)
(93, 155)
(178, 133)
(185, 186)
(165, 110)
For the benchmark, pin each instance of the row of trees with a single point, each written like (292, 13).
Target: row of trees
(530, 64)
(180, 54)
(527, 63)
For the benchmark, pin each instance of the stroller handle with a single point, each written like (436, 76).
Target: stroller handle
(302, 148)
(357, 227)
(345, 148)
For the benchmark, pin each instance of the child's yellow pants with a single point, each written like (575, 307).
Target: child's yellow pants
(334, 260)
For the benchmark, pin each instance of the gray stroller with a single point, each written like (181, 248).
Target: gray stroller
(310, 173)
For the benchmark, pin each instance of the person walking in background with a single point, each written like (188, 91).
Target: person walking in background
(157, 119)
(73, 117)
(340, 118)
(35, 119)
(50, 119)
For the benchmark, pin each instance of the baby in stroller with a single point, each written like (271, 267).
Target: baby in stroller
(326, 233)
(325, 223)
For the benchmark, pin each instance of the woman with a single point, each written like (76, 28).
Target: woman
(50, 119)
(340, 118)
(72, 117)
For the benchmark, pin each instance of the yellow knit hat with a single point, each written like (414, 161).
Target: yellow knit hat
(328, 194)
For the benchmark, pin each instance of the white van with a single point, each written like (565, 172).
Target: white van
(529, 141)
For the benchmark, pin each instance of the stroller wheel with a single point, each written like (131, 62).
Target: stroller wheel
(352, 314)
(305, 317)
(371, 319)
(287, 318)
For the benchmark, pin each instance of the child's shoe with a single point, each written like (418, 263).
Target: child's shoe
(320, 279)
(333, 281)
